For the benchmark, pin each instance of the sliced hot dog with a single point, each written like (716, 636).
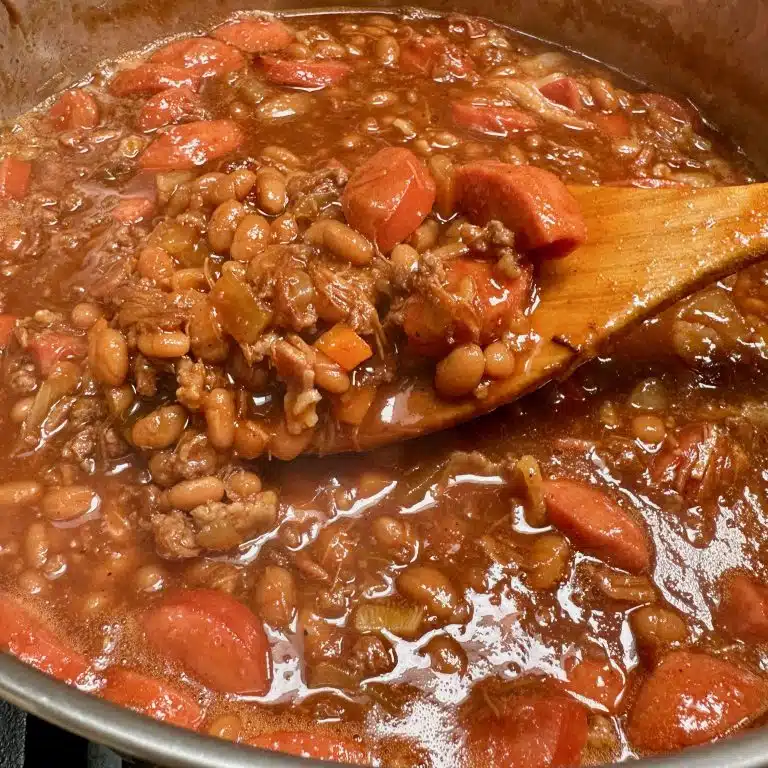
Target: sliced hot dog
(304, 74)
(14, 177)
(151, 697)
(31, 640)
(596, 680)
(563, 91)
(200, 56)
(692, 698)
(491, 120)
(532, 202)
(744, 606)
(213, 636)
(151, 78)
(597, 524)
(168, 107)
(532, 731)
(49, 347)
(188, 146)
(74, 109)
(388, 196)
(261, 35)
(313, 745)
(433, 56)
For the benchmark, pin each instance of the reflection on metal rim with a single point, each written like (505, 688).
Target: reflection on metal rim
(165, 745)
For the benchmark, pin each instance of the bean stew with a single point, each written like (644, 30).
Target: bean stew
(221, 253)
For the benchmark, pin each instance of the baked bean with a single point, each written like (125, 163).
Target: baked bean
(341, 240)
(284, 229)
(155, 264)
(441, 168)
(21, 408)
(329, 375)
(655, 626)
(206, 337)
(429, 587)
(95, 603)
(285, 446)
(108, 354)
(280, 157)
(149, 578)
(285, 106)
(227, 727)
(460, 371)
(382, 99)
(164, 344)
(85, 315)
(649, 429)
(624, 587)
(36, 545)
(189, 278)
(20, 493)
(513, 155)
(271, 195)
(250, 237)
(119, 399)
(251, 439)
(387, 50)
(649, 395)
(405, 258)
(396, 537)
(69, 501)
(446, 655)
(499, 361)
(219, 410)
(189, 494)
(161, 428)
(603, 93)
(116, 520)
(547, 560)
(32, 582)
(276, 596)
(242, 485)
(425, 236)
(223, 223)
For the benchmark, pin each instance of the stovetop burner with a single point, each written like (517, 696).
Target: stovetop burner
(28, 742)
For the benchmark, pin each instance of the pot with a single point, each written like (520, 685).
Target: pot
(711, 50)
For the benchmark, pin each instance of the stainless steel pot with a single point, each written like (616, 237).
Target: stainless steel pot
(715, 51)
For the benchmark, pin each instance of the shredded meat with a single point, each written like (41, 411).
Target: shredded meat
(191, 380)
(174, 535)
(294, 361)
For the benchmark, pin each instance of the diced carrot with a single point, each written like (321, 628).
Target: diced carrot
(615, 125)
(564, 91)
(152, 697)
(692, 698)
(317, 746)
(597, 524)
(151, 78)
(168, 107)
(435, 57)
(200, 56)
(7, 325)
(531, 731)
(14, 177)
(304, 74)
(133, 210)
(596, 680)
(744, 606)
(388, 196)
(74, 109)
(30, 639)
(184, 147)
(491, 120)
(352, 406)
(343, 345)
(49, 347)
(261, 35)
(532, 202)
(669, 106)
(497, 301)
(213, 636)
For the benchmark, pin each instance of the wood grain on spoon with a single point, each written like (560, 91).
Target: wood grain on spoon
(646, 249)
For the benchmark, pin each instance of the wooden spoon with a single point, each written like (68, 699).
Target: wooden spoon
(646, 249)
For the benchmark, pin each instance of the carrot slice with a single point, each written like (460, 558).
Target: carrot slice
(262, 35)
(167, 107)
(388, 196)
(692, 698)
(215, 637)
(29, 638)
(343, 345)
(188, 146)
(151, 697)
(313, 745)
(133, 210)
(531, 201)
(7, 325)
(74, 109)
(435, 57)
(151, 78)
(304, 74)
(491, 120)
(532, 731)
(14, 177)
(597, 524)
(564, 91)
(200, 56)
(744, 606)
